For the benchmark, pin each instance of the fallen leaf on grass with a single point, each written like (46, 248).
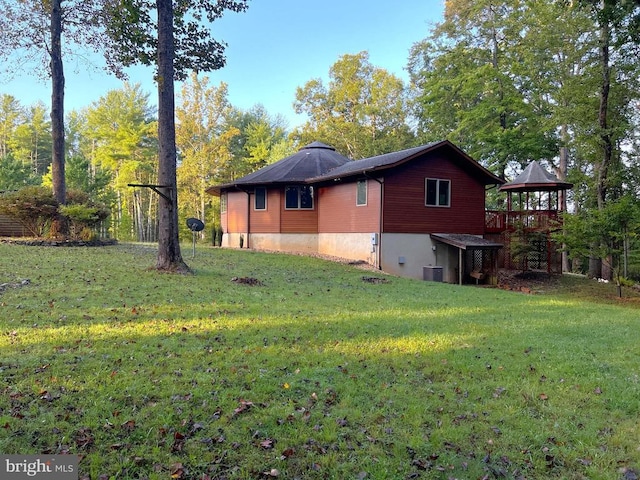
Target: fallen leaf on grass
(247, 281)
(42, 368)
(84, 438)
(178, 442)
(422, 464)
(177, 470)
(44, 395)
(268, 444)
(245, 405)
(129, 425)
(375, 280)
(543, 396)
(288, 452)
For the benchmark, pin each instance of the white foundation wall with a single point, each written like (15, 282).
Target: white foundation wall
(354, 246)
(285, 242)
(232, 240)
(401, 254)
(405, 254)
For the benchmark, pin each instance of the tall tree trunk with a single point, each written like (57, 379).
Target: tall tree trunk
(57, 103)
(605, 136)
(169, 256)
(563, 167)
(597, 267)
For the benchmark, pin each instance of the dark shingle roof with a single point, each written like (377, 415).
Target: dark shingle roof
(317, 162)
(535, 178)
(310, 161)
(390, 160)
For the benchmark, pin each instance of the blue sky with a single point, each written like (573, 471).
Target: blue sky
(274, 47)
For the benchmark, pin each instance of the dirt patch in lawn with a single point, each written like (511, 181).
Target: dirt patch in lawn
(528, 282)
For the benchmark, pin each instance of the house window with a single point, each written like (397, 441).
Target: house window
(223, 202)
(260, 202)
(361, 192)
(437, 192)
(298, 197)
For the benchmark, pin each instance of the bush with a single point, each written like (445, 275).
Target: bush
(83, 214)
(34, 208)
(39, 213)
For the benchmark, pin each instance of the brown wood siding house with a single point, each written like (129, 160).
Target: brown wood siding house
(404, 205)
(340, 213)
(268, 220)
(402, 211)
(265, 227)
(237, 212)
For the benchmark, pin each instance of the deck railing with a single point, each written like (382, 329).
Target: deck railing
(499, 221)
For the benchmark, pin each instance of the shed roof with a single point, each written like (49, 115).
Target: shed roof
(466, 241)
(311, 160)
(535, 178)
(394, 159)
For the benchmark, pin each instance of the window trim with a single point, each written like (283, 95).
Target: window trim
(438, 181)
(255, 199)
(366, 193)
(299, 189)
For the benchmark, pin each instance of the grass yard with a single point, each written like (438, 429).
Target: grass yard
(266, 366)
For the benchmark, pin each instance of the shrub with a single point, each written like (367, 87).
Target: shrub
(39, 213)
(83, 214)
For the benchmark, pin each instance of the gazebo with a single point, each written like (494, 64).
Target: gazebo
(536, 200)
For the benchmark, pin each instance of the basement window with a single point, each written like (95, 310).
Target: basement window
(437, 192)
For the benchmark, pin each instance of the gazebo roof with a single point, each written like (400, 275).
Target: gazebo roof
(534, 178)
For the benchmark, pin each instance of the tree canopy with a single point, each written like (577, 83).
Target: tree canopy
(362, 112)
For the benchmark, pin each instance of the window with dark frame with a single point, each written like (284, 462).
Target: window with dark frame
(298, 197)
(437, 192)
(361, 193)
(260, 201)
(223, 202)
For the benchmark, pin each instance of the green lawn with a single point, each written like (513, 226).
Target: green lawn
(310, 371)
